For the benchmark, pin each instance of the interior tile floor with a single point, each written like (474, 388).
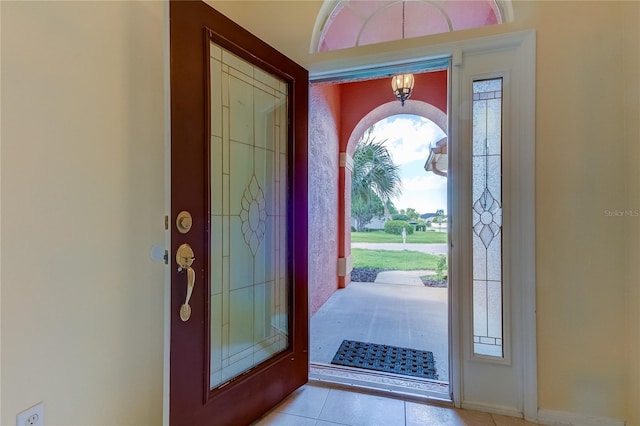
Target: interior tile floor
(320, 404)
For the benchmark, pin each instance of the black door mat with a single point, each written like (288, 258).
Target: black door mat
(390, 359)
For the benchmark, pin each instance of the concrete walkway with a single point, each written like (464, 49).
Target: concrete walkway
(410, 316)
(424, 248)
(402, 277)
(396, 310)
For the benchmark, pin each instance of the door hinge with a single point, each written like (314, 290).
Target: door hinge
(166, 223)
(166, 257)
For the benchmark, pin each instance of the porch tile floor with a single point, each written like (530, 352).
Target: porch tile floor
(319, 404)
(408, 316)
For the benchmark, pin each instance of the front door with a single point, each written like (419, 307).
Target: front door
(239, 316)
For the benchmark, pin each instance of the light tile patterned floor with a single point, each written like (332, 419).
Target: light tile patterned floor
(324, 405)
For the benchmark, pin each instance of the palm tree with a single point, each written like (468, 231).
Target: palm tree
(374, 173)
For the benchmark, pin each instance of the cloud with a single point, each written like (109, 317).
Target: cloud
(408, 137)
(426, 193)
(423, 183)
(424, 201)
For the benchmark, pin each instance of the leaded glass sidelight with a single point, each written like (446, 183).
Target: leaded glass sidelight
(249, 190)
(487, 218)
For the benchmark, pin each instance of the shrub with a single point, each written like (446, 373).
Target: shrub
(395, 227)
(403, 217)
(441, 268)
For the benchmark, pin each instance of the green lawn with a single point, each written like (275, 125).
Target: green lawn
(393, 260)
(382, 237)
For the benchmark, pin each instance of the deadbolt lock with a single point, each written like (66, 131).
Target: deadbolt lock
(184, 221)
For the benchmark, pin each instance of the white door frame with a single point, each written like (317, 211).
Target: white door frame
(522, 191)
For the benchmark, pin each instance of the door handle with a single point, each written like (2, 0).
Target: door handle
(184, 259)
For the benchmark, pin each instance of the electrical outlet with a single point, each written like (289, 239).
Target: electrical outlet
(33, 416)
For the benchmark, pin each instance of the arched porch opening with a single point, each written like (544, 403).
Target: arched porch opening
(388, 109)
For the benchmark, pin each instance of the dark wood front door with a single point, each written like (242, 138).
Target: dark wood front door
(239, 311)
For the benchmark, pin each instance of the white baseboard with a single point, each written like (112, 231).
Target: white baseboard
(494, 409)
(563, 418)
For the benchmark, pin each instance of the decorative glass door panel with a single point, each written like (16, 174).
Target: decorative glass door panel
(487, 218)
(249, 318)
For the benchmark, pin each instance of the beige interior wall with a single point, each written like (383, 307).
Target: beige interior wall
(0, 214)
(631, 66)
(83, 192)
(82, 201)
(583, 364)
(586, 164)
(289, 26)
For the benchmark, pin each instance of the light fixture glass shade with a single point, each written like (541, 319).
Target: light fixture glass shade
(402, 85)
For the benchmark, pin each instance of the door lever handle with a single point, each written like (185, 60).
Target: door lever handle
(184, 259)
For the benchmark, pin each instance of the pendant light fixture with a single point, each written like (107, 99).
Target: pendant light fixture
(402, 85)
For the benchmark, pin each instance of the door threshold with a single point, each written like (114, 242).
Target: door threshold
(386, 384)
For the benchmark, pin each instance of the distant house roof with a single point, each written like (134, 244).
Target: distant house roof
(428, 215)
(374, 223)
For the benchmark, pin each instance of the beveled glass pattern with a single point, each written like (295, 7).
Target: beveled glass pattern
(487, 218)
(249, 163)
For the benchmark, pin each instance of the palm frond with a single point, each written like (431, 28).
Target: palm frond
(374, 170)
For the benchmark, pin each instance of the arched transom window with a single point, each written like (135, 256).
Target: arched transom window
(353, 23)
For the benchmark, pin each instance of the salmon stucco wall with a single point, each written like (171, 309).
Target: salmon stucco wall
(360, 98)
(323, 194)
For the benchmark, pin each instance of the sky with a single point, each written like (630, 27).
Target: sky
(408, 138)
